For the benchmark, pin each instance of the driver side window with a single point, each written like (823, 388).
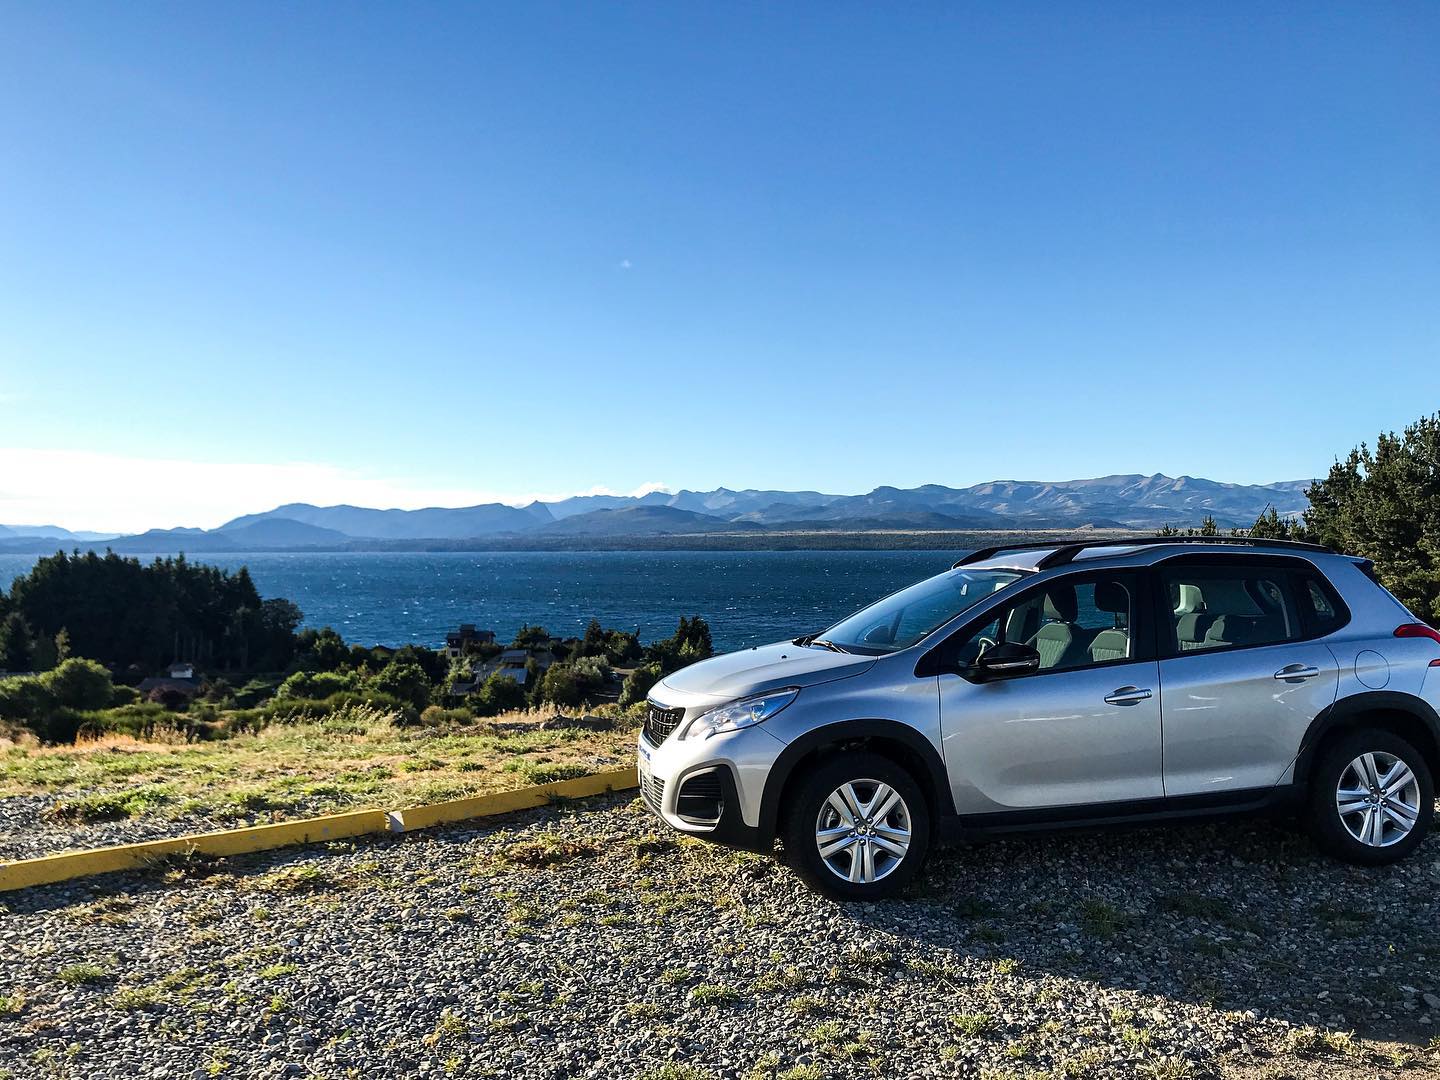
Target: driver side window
(1072, 623)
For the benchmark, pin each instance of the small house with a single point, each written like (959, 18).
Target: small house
(466, 640)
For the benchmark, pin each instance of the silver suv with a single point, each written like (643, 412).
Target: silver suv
(1084, 683)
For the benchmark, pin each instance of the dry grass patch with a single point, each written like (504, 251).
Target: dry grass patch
(352, 759)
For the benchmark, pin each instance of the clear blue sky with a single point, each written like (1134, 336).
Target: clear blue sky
(429, 252)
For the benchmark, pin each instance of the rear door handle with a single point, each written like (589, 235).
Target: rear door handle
(1297, 671)
(1127, 695)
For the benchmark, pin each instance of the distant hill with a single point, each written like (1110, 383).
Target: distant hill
(639, 521)
(431, 523)
(270, 533)
(1123, 501)
(48, 532)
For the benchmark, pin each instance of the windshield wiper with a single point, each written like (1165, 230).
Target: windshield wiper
(824, 644)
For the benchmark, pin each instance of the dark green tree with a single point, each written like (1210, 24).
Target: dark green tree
(1384, 504)
(691, 642)
(17, 643)
(405, 681)
(128, 615)
(320, 650)
(498, 694)
(1271, 526)
(430, 661)
(594, 643)
(531, 637)
(560, 686)
(80, 684)
(638, 683)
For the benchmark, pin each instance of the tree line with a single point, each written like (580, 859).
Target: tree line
(1382, 503)
(134, 617)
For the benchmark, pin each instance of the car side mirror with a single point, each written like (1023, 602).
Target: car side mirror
(1006, 660)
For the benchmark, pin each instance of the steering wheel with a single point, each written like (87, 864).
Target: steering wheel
(985, 643)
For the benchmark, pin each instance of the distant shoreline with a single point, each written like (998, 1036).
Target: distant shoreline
(797, 540)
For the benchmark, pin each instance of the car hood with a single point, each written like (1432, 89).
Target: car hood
(753, 671)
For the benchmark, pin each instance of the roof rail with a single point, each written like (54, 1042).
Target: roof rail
(1065, 551)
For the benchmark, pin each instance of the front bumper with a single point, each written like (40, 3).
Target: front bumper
(709, 788)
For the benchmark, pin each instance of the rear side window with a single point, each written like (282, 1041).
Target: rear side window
(1230, 607)
(1321, 610)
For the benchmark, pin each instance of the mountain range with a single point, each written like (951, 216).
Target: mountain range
(1128, 501)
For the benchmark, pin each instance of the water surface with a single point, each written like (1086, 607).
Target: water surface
(748, 597)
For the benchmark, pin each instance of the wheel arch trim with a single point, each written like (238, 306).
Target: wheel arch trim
(1350, 712)
(935, 783)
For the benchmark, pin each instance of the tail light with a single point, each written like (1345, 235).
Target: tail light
(1419, 629)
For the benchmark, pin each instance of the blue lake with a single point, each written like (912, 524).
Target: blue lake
(748, 597)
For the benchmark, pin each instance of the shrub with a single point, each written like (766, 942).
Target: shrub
(26, 698)
(137, 721)
(49, 704)
(369, 700)
(499, 694)
(316, 685)
(439, 716)
(638, 683)
(169, 697)
(592, 671)
(560, 686)
(80, 684)
(404, 680)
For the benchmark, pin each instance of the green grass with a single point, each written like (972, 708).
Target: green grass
(286, 770)
(973, 1024)
(82, 974)
(548, 847)
(676, 1072)
(712, 994)
(1102, 919)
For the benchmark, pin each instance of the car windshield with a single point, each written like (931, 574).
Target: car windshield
(905, 617)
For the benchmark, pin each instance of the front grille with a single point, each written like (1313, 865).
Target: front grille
(701, 797)
(659, 723)
(652, 788)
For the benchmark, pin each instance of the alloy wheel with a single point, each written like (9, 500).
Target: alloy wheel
(863, 831)
(1378, 799)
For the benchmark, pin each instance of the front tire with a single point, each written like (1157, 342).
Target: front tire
(1372, 798)
(857, 827)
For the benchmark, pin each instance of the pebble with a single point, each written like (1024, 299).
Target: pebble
(434, 954)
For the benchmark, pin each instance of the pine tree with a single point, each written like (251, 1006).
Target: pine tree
(1270, 526)
(17, 644)
(1384, 504)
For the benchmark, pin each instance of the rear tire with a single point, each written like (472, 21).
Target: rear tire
(857, 827)
(1371, 798)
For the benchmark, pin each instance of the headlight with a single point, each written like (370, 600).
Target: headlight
(747, 712)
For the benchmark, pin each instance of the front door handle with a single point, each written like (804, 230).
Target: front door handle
(1297, 671)
(1127, 695)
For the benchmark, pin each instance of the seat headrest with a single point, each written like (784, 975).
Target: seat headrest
(1112, 597)
(1191, 600)
(1060, 603)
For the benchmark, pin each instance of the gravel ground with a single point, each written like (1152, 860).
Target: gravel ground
(27, 829)
(584, 942)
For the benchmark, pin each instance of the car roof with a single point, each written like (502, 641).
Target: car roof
(1138, 551)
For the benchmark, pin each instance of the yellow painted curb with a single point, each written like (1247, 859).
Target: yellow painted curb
(506, 802)
(48, 869)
